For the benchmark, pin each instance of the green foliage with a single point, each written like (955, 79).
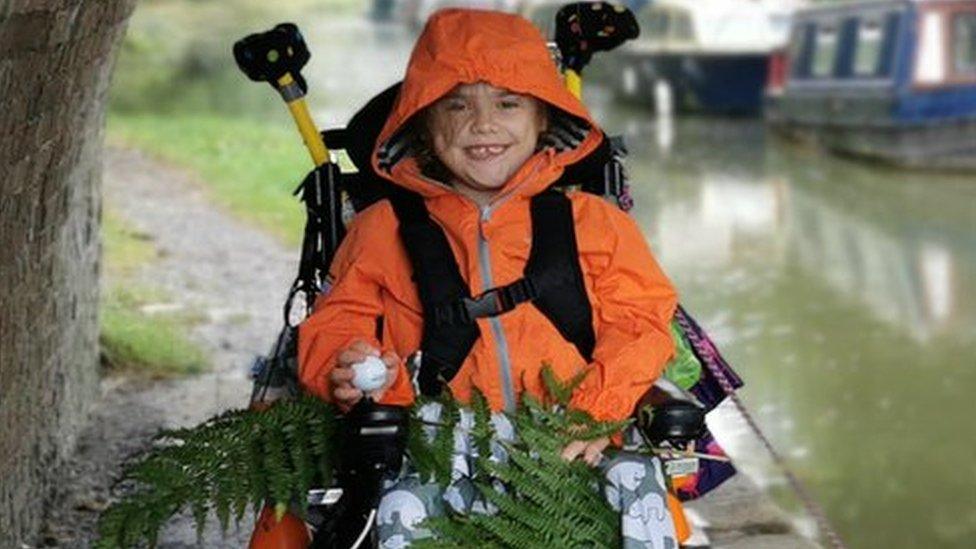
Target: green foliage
(125, 249)
(176, 55)
(560, 392)
(430, 444)
(538, 499)
(238, 458)
(243, 458)
(131, 338)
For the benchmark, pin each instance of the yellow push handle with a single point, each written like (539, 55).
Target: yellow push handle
(295, 99)
(574, 81)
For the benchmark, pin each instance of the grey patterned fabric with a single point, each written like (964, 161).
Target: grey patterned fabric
(634, 486)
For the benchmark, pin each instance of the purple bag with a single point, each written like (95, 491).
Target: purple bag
(718, 381)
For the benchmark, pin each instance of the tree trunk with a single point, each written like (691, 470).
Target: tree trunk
(56, 57)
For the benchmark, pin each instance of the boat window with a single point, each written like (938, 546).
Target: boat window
(825, 51)
(930, 62)
(964, 44)
(892, 28)
(867, 51)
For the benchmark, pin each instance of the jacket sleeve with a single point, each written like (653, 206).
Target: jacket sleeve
(634, 303)
(349, 311)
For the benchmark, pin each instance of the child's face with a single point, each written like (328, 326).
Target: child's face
(483, 134)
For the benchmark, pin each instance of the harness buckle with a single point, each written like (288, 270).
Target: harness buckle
(491, 303)
(485, 305)
(500, 300)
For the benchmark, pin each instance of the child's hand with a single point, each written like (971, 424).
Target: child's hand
(590, 450)
(343, 392)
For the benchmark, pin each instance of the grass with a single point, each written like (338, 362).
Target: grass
(155, 345)
(125, 249)
(249, 167)
(132, 339)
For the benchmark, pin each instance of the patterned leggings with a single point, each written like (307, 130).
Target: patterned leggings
(633, 485)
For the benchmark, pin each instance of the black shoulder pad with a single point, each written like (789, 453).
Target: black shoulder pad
(589, 172)
(364, 127)
(358, 139)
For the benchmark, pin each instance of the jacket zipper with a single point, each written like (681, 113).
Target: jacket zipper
(484, 263)
(501, 344)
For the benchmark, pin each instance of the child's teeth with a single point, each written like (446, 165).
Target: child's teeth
(487, 150)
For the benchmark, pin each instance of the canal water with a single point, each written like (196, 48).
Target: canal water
(844, 293)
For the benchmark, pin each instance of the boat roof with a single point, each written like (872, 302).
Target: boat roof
(731, 25)
(863, 5)
(725, 7)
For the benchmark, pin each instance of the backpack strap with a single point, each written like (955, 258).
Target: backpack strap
(439, 283)
(553, 282)
(554, 270)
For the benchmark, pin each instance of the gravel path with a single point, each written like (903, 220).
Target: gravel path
(210, 263)
(237, 276)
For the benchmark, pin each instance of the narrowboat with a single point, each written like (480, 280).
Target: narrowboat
(712, 56)
(889, 80)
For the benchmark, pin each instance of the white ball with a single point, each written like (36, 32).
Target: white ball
(370, 374)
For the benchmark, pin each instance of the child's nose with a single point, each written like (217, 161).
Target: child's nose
(484, 119)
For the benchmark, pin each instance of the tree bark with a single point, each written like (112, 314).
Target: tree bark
(56, 57)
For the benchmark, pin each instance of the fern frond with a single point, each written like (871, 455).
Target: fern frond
(235, 459)
(243, 458)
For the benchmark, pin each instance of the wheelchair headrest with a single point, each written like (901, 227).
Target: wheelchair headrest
(358, 138)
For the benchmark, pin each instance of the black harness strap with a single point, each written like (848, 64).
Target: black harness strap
(554, 269)
(553, 281)
(439, 282)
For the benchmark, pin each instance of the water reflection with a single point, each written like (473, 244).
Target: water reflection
(843, 293)
(722, 196)
(906, 284)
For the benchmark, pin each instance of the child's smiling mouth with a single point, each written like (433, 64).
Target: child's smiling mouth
(485, 152)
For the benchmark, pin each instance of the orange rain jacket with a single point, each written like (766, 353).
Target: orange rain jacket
(632, 300)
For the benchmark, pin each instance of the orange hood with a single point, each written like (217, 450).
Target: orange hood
(460, 46)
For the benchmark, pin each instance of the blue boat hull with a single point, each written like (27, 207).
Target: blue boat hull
(940, 143)
(708, 83)
(923, 129)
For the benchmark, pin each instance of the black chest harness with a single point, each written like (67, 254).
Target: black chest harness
(552, 282)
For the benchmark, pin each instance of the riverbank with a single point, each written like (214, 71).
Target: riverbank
(226, 271)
